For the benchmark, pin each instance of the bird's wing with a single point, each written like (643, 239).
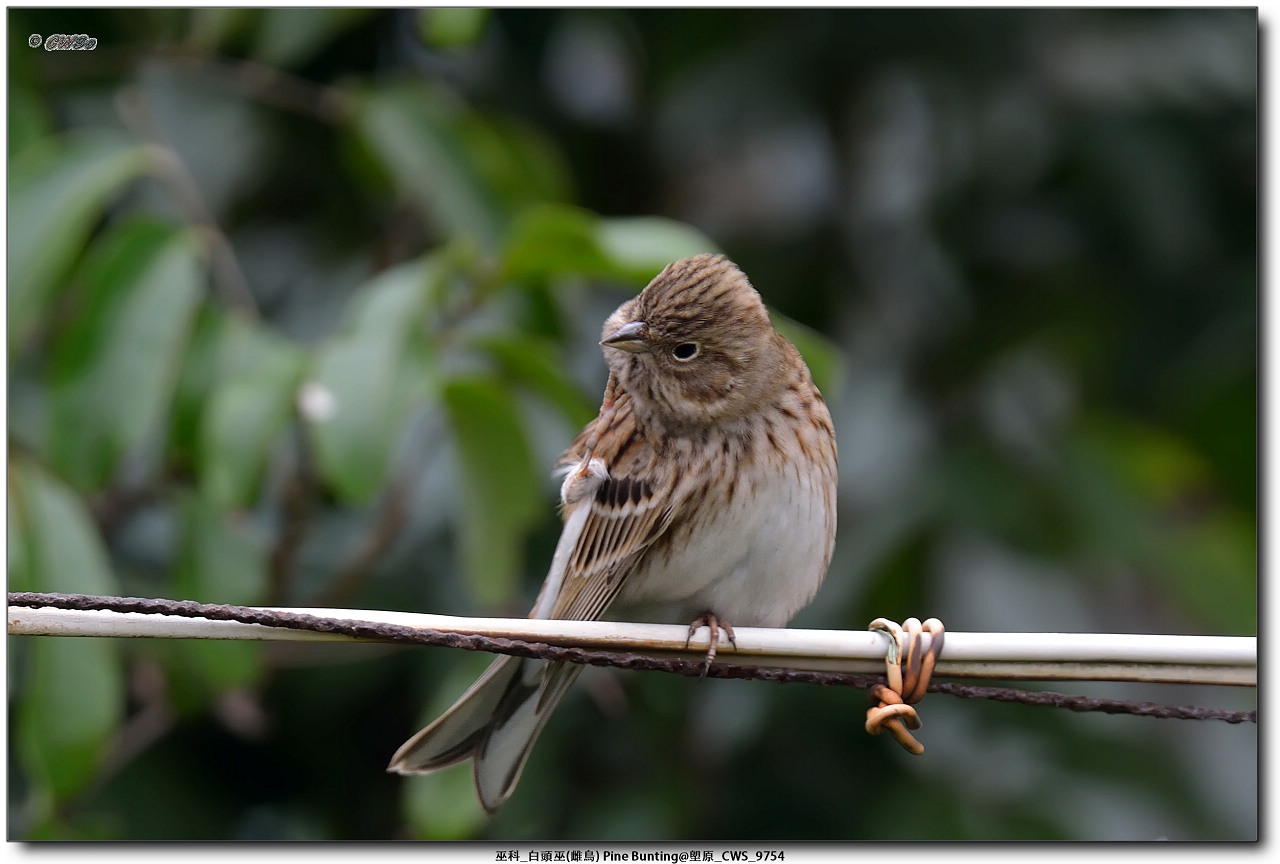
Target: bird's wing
(616, 501)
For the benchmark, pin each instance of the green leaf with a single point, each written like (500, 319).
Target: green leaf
(540, 365)
(443, 805)
(499, 486)
(222, 560)
(19, 568)
(217, 666)
(1143, 496)
(245, 416)
(258, 376)
(552, 239)
(63, 548)
(72, 706)
(373, 389)
(72, 699)
(212, 27)
(468, 171)
(1223, 545)
(114, 369)
(413, 130)
(393, 302)
(374, 375)
(56, 194)
(823, 357)
(517, 162)
(289, 37)
(197, 377)
(641, 246)
(28, 119)
(452, 28)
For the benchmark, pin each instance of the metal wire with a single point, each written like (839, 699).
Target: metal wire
(382, 632)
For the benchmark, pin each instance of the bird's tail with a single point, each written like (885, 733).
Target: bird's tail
(495, 722)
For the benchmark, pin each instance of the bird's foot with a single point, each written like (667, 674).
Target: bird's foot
(715, 625)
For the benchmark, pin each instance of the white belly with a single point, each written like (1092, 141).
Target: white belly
(756, 564)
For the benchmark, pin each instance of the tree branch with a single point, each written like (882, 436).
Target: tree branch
(173, 173)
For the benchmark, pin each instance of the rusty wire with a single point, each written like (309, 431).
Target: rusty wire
(909, 668)
(397, 633)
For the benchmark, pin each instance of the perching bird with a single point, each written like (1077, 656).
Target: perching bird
(704, 491)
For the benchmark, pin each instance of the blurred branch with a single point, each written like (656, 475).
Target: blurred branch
(385, 528)
(274, 87)
(152, 721)
(781, 654)
(172, 171)
(254, 80)
(297, 505)
(381, 534)
(113, 505)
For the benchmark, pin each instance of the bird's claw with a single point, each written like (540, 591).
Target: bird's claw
(714, 624)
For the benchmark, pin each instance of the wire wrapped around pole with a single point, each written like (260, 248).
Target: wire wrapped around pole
(125, 615)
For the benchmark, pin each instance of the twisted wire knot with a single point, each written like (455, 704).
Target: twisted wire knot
(908, 667)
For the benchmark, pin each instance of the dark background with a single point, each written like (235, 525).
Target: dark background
(1018, 249)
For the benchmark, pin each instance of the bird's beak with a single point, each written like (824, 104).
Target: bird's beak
(631, 337)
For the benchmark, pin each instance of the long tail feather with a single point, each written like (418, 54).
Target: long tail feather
(496, 721)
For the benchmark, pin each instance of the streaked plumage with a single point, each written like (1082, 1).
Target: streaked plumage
(706, 484)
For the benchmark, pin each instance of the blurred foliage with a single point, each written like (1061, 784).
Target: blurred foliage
(303, 303)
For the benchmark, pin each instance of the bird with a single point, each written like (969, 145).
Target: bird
(704, 491)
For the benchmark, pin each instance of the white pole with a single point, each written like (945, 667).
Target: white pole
(1029, 656)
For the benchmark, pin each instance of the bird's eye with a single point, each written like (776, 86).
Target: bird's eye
(685, 351)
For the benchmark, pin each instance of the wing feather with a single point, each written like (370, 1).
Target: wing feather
(627, 503)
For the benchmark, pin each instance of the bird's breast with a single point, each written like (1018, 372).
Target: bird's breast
(751, 545)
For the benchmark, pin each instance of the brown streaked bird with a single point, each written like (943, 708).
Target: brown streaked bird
(704, 491)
